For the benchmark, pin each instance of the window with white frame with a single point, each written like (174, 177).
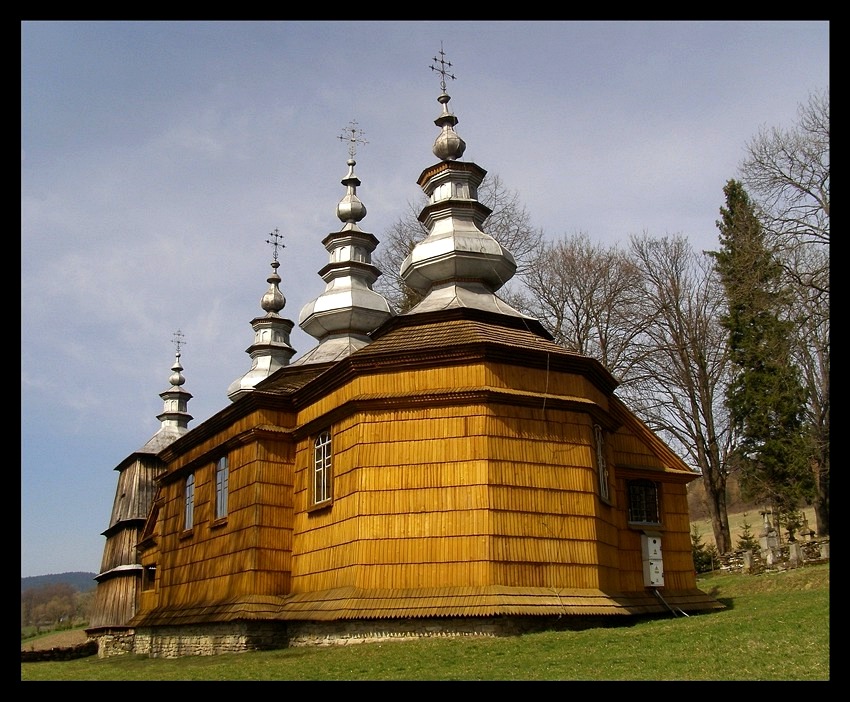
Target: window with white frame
(189, 509)
(643, 502)
(601, 463)
(222, 477)
(322, 468)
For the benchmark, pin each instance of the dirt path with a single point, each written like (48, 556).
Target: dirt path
(58, 639)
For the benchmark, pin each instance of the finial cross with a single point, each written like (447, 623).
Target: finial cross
(275, 241)
(177, 340)
(442, 69)
(353, 136)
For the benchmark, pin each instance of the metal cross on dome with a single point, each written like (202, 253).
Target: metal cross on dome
(353, 136)
(442, 69)
(277, 238)
(177, 340)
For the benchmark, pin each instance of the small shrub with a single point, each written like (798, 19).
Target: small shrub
(704, 556)
(747, 542)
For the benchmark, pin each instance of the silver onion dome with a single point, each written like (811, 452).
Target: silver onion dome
(270, 350)
(348, 309)
(458, 264)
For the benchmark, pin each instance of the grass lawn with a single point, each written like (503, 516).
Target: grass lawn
(775, 627)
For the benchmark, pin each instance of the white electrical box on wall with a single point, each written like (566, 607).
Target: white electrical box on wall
(653, 563)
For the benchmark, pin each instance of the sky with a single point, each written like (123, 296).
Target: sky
(158, 156)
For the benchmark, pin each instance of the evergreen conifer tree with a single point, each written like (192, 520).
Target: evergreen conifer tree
(766, 399)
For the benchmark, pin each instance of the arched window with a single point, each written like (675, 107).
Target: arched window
(322, 468)
(189, 511)
(221, 480)
(643, 502)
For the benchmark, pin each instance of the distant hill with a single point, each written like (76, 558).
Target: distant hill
(82, 582)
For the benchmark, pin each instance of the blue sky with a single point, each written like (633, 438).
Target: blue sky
(157, 156)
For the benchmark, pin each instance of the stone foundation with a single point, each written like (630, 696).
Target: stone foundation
(343, 633)
(209, 639)
(114, 643)
(238, 637)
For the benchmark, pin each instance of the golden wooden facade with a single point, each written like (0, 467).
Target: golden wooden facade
(465, 483)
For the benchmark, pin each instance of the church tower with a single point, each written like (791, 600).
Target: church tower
(271, 349)
(344, 314)
(119, 579)
(457, 265)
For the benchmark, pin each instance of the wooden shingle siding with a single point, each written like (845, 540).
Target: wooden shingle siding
(355, 603)
(120, 549)
(465, 483)
(539, 525)
(428, 524)
(116, 601)
(378, 478)
(250, 549)
(544, 575)
(545, 383)
(541, 500)
(136, 485)
(402, 501)
(442, 505)
(550, 551)
(402, 575)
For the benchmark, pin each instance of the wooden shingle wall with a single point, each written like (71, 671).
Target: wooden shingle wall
(456, 496)
(134, 493)
(116, 600)
(441, 480)
(120, 547)
(246, 552)
(674, 529)
(544, 382)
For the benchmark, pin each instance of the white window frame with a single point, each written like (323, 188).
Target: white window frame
(322, 468)
(189, 503)
(222, 479)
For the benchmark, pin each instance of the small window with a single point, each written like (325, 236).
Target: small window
(221, 480)
(148, 577)
(189, 511)
(601, 463)
(643, 502)
(322, 468)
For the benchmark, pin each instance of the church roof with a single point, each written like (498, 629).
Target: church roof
(459, 327)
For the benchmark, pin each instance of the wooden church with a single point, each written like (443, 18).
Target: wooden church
(448, 470)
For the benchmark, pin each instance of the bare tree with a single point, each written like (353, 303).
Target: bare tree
(809, 312)
(651, 316)
(787, 173)
(508, 223)
(396, 244)
(588, 297)
(680, 370)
